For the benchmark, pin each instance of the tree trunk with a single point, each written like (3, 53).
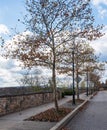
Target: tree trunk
(55, 90)
(54, 81)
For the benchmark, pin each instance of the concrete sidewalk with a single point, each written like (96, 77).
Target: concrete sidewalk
(93, 117)
(15, 121)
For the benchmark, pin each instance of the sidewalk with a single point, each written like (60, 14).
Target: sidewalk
(93, 117)
(15, 121)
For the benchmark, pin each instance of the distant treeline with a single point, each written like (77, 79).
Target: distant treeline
(6, 91)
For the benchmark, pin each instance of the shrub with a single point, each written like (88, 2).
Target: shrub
(68, 92)
(63, 94)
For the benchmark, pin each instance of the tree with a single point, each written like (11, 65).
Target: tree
(91, 65)
(30, 78)
(88, 62)
(106, 82)
(95, 78)
(53, 24)
(95, 75)
(84, 54)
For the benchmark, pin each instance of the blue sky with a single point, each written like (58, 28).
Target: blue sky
(100, 13)
(12, 10)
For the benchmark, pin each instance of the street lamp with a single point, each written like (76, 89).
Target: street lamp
(73, 69)
(87, 82)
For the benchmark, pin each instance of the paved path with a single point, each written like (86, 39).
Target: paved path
(15, 121)
(94, 117)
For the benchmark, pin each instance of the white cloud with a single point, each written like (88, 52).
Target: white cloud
(4, 29)
(100, 45)
(100, 6)
(9, 72)
(102, 12)
(97, 2)
(9, 69)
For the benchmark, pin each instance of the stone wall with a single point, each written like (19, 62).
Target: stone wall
(13, 103)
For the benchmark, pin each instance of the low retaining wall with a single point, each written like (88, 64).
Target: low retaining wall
(10, 103)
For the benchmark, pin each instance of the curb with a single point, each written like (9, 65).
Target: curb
(67, 118)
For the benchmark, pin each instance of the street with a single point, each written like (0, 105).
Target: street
(93, 116)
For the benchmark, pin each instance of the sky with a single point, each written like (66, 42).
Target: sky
(12, 10)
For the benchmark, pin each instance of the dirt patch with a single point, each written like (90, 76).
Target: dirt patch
(52, 116)
(65, 128)
(78, 101)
